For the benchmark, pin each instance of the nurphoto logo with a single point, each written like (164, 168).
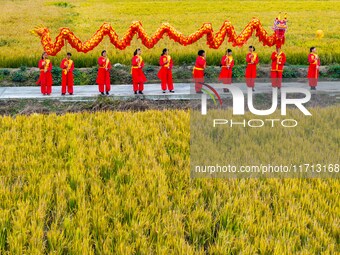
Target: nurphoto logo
(239, 106)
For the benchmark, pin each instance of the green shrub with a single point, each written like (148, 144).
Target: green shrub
(92, 76)
(77, 77)
(56, 74)
(182, 73)
(122, 76)
(63, 4)
(149, 68)
(333, 71)
(290, 72)
(211, 72)
(4, 72)
(239, 71)
(19, 76)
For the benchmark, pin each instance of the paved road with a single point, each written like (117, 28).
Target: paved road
(152, 91)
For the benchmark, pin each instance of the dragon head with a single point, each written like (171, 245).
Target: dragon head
(40, 30)
(280, 27)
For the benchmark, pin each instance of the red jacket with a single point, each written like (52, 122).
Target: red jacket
(249, 59)
(67, 73)
(102, 62)
(278, 61)
(162, 61)
(200, 65)
(251, 67)
(42, 68)
(314, 63)
(226, 72)
(45, 78)
(165, 67)
(103, 76)
(69, 68)
(137, 70)
(227, 61)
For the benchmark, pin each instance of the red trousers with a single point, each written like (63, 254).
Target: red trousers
(225, 75)
(165, 75)
(103, 80)
(67, 81)
(138, 86)
(45, 81)
(198, 76)
(46, 89)
(313, 82)
(313, 74)
(250, 75)
(276, 78)
(106, 87)
(138, 79)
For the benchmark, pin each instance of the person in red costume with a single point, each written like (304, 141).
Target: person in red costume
(198, 71)
(67, 66)
(252, 60)
(227, 64)
(138, 77)
(45, 79)
(165, 73)
(103, 78)
(313, 69)
(278, 61)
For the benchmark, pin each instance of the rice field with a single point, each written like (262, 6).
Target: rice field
(118, 183)
(19, 48)
(267, 142)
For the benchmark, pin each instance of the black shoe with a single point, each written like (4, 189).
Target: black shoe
(140, 92)
(107, 93)
(199, 92)
(226, 90)
(48, 94)
(102, 93)
(71, 94)
(63, 94)
(164, 91)
(171, 91)
(253, 89)
(135, 92)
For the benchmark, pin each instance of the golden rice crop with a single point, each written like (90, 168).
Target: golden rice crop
(19, 47)
(118, 183)
(315, 139)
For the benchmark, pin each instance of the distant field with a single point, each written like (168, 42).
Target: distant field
(18, 47)
(118, 183)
